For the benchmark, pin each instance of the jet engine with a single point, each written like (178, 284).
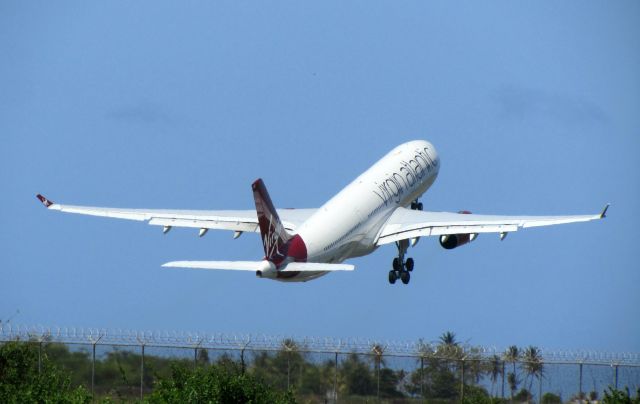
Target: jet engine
(451, 241)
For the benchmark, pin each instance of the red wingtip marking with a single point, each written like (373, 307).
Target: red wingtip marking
(44, 200)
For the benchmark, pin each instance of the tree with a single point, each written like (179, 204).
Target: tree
(214, 384)
(282, 369)
(513, 382)
(448, 338)
(202, 357)
(533, 364)
(357, 376)
(495, 371)
(512, 355)
(613, 396)
(523, 395)
(478, 395)
(23, 380)
(449, 347)
(377, 350)
(550, 398)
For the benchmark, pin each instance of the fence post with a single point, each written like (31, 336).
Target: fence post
(288, 369)
(616, 376)
(242, 366)
(142, 373)
(503, 369)
(93, 371)
(540, 385)
(422, 377)
(335, 380)
(195, 357)
(93, 364)
(462, 380)
(580, 392)
(378, 360)
(39, 357)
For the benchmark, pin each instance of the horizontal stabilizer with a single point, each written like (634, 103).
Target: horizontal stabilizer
(315, 266)
(260, 266)
(225, 265)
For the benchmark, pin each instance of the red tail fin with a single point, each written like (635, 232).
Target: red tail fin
(274, 236)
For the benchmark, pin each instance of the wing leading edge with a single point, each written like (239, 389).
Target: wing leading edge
(235, 220)
(406, 223)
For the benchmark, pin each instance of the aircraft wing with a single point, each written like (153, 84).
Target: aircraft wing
(235, 220)
(406, 223)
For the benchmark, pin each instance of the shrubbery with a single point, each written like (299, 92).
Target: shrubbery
(21, 381)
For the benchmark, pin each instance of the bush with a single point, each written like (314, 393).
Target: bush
(550, 398)
(214, 384)
(20, 380)
(613, 396)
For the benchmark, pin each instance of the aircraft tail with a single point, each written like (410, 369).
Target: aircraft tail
(274, 236)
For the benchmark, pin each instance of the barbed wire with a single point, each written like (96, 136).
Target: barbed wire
(263, 342)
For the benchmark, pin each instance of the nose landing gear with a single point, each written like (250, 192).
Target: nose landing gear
(401, 268)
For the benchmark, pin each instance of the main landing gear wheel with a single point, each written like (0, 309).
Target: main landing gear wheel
(401, 268)
(396, 265)
(409, 264)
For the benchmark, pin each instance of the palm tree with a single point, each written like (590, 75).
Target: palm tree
(378, 350)
(513, 383)
(533, 364)
(449, 347)
(495, 371)
(448, 339)
(512, 354)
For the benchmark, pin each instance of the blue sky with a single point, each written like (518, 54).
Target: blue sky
(533, 108)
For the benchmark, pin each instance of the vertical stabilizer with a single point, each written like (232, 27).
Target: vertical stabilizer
(274, 236)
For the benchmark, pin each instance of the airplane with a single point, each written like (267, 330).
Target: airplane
(381, 206)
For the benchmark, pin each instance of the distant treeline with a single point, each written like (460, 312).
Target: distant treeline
(447, 374)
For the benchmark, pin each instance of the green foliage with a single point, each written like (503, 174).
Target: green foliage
(20, 380)
(550, 398)
(533, 365)
(478, 395)
(358, 377)
(214, 384)
(613, 396)
(523, 395)
(195, 376)
(513, 382)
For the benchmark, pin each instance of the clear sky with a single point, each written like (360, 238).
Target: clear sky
(534, 108)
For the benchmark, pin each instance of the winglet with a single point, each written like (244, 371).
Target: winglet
(44, 201)
(604, 211)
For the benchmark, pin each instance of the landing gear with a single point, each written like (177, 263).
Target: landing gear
(401, 268)
(409, 264)
(415, 205)
(396, 265)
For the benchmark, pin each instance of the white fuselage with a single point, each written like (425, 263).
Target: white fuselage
(348, 224)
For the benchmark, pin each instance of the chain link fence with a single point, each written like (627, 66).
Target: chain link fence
(124, 364)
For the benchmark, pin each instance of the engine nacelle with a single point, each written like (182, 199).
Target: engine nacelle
(451, 241)
(267, 270)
